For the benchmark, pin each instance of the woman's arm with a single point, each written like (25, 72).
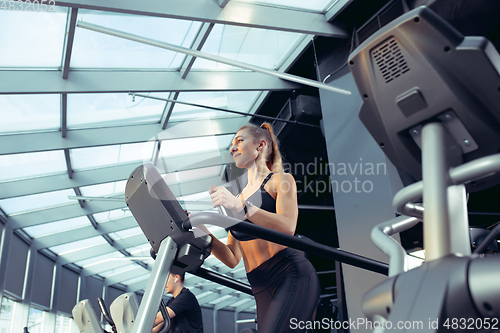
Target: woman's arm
(229, 254)
(287, 211)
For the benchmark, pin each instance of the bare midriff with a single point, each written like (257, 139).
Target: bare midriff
(258, 251)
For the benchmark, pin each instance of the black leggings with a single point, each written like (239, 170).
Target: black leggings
(286, 290)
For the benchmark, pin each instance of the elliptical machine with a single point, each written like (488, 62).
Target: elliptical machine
(431, 101)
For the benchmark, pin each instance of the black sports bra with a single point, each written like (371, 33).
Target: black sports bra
(268, 203)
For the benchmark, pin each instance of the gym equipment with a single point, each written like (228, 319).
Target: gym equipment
(106, 314)
(177, 249)
(123, 311)
(85, 317)
(160, 217)
(485, 241)
(431, 101)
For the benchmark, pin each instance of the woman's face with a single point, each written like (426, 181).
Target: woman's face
(245, 149)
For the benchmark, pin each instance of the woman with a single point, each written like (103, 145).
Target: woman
(284, 283)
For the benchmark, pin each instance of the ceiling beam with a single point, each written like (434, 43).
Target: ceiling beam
(119, 278)
(246, 305)
(105, 175)
(212, 297)
(91, 207)
(75, 235)
(124, 276)
(64, 115)
(227, 302)
(209, 56)
(336, 9)
(233, 13)
(106, 265)
(199, 41)
(102, 249)
(60, 213)
(223, 3)
(51, 82)
(167, 111)
(68, 41)
(84, 138)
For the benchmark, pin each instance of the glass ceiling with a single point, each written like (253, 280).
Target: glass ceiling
(93, 157)
(30, 165)
(241, 101)
(32, 39)
(27, 113)
(94, 50)
(107, 133)
(104, 110)
(29, 203)
(260, 47)
(57, 227)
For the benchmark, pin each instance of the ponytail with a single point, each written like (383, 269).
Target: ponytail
(273, 156)
(274, 161)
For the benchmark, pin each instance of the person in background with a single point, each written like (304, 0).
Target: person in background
(183, 309)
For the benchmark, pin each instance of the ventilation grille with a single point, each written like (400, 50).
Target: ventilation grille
(390, 60)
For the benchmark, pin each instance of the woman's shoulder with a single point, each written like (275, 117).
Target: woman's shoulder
(283, 177)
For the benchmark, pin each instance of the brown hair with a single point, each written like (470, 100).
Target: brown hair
(265, 132)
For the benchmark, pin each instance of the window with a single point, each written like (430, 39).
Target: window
(35, 320)
(65, 324)
(6, 314)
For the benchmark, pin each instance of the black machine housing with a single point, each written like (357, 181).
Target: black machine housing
(159, 215)
(457, 82)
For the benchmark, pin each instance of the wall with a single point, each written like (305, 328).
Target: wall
(362, 192)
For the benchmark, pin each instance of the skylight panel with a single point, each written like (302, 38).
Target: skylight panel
(125, 233)
(98, 110)
(240, 101)
(57, 227)
(96, 50)
(220, 299)
(29, 165)
(139, 250)
(78, 245)
(191, 146)
(118, 270)
(241, 302)
(108, 257)
(31, 38)
(260, 47)
(199, 202)
(25, 113)
(36, 201)
(136, 279)
(93, 157)
(190, 175)
(103, 190)
(112, 215)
